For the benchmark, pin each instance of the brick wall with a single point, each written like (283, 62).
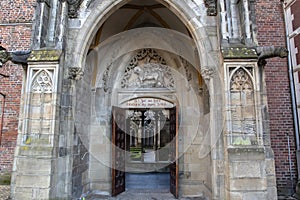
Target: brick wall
(271, 31)
(15, 33)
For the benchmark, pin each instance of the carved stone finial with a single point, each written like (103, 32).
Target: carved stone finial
(266, 52)
(75, 73)
(73, 7)
(211, 7)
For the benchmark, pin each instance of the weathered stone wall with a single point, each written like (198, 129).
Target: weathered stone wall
(271, 31)
(15, 33)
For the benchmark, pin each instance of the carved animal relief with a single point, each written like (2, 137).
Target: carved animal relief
(147, 70)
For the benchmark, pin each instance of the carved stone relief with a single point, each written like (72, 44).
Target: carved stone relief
(150, 75)
(42, 83)
(75, 73)
(207, 73)
(265, 52)
(73, 7)
(211, 7)
(187, 68)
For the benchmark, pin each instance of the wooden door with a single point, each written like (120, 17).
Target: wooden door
(118, 150)
(174, 151)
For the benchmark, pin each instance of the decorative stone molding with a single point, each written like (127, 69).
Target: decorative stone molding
(73, 7)
(75, 73)
(44, 56)
(238, 52)
(211, 7)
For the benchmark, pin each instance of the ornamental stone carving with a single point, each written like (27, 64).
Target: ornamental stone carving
(211, 7)
(142, 57)
(266, 52)
(75, 73)
(42, 83)
(17, 57)
(73, 7)
(150, 75)
(207, 73)
(4, 56)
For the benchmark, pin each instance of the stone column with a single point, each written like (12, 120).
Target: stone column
(35, 171)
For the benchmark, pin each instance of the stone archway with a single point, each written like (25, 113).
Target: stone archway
(157, 38)
(110, 90)
(77, 124)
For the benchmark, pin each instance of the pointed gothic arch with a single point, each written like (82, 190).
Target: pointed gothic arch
(101, 12)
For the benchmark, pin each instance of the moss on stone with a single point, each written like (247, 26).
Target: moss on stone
(5, 179)
(239, 52)
(44, 55)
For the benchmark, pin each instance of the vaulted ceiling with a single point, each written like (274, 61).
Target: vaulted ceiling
(137, 14)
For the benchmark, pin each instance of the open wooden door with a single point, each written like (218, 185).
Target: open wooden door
(118, 150)
(174, 151)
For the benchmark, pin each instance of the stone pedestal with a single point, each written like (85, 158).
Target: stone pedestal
(251, 174)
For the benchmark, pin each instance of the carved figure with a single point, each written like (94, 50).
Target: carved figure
(73, 7)
(211, 7)
(271, 51)
(4, 56)
(17, 57)
(147, 77)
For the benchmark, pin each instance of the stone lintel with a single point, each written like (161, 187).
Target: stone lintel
(239, 53)
(45, 55)
(246, 153)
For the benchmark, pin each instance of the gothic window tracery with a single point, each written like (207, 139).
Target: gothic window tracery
(242, 103)
(42, 82)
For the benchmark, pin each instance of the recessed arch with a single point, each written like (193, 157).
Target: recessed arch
(100, 13)
(195, 50)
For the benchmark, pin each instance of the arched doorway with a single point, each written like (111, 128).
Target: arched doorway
(119, 67)
(145, 148)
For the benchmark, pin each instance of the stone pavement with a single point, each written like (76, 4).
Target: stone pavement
(4, 192)
(128, 195)
(135, 195)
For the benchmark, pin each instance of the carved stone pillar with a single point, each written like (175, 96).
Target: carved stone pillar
(35, 171)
